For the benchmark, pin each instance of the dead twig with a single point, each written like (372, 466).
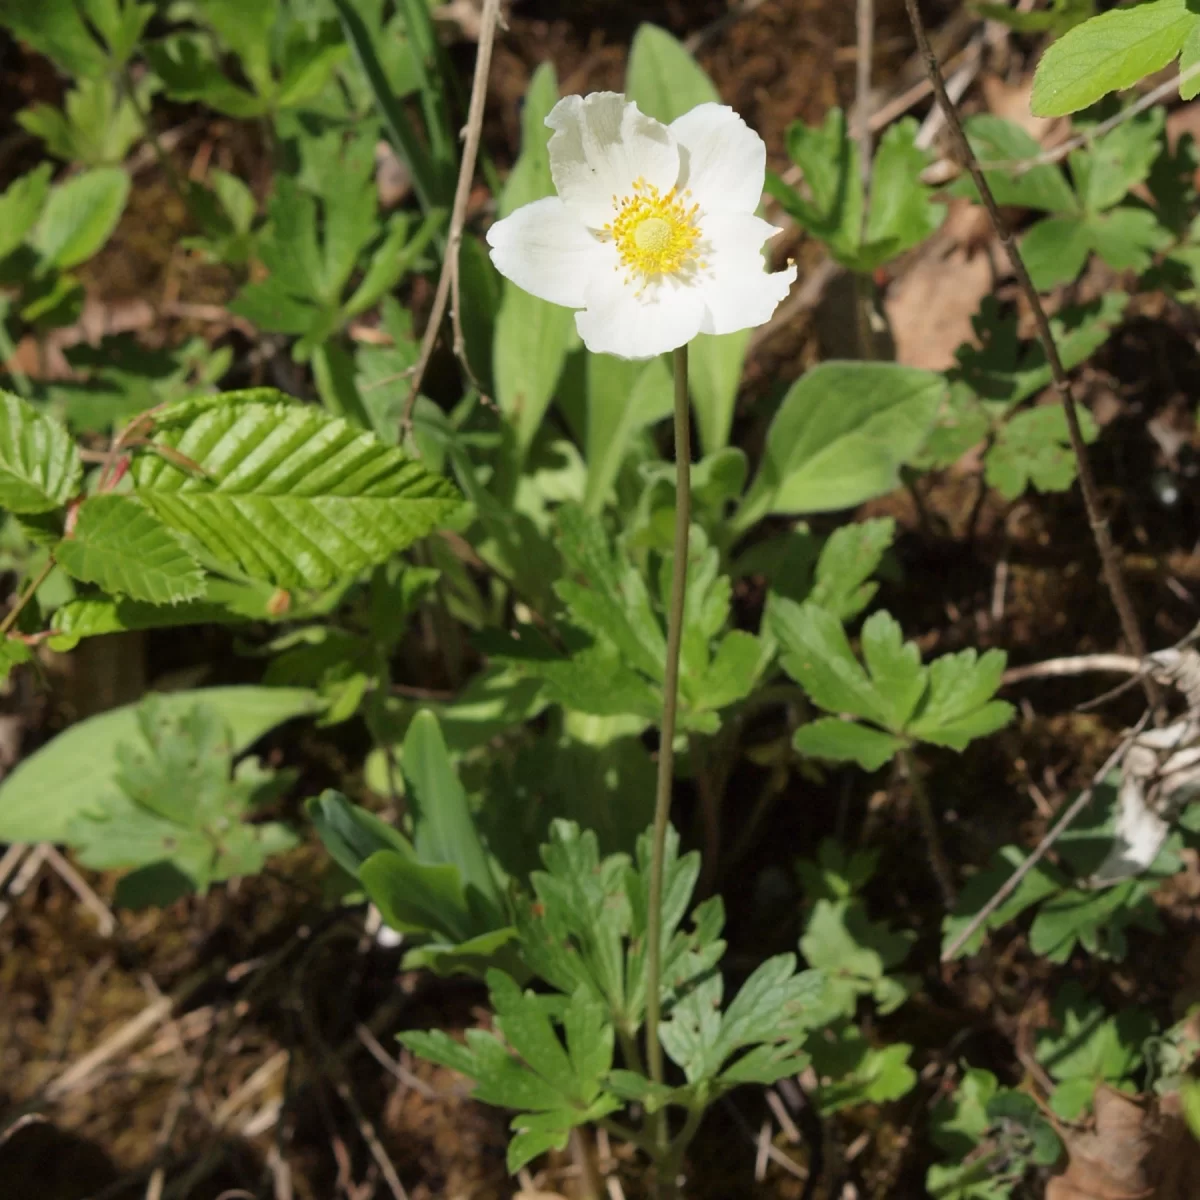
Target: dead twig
(87, 897)
(1074, 809)
(1109, 557)
(1055, 154)
(458, 213)
(1081, 664)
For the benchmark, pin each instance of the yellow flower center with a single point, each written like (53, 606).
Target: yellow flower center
(655, 232)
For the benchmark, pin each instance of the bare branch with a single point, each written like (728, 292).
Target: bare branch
(1109, 557)
(458, 213)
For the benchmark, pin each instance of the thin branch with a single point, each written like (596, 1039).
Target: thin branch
(863, 284)
(1055, 154)
(1082, 664)
(1013, 881)
(1109, 557)
(458, 213)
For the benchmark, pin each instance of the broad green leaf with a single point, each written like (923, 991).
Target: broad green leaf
(415, 896)
(663, 79)
(80, 216)
(431, 188)
(223, 602)
(286, 493)
(846, 741)
(443, 830)
(1055, 250)
(120, 545)
(1109, 53)
(714, 373)
(40, 467)
(59, 781)
(352, 834)
(1127, 238)
(21, 205)
(530, 177)
(814, 650)
(840, 438)
(529, 348)
(622, 398)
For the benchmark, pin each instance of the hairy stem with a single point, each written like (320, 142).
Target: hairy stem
(666, 751)
(1110, 559)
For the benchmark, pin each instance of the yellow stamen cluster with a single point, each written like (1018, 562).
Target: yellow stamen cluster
(655, 232)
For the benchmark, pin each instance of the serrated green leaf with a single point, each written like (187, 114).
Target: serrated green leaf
(901, 214)
(840, 438)
(895, 666)
(287, 493)
(1034, 449)
(858, 1073)
(814, 650)
(120, 545)
(854, 952)
(846, 741)
(40, 468)
(1109, 53)
(80, 216)
(847, 560)
(958, 707)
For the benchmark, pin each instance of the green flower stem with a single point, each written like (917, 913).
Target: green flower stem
(666, 751)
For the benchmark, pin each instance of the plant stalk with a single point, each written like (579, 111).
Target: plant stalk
(666, 752)
(13, 613)
(1110, 558)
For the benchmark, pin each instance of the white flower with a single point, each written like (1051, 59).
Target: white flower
(653, 233)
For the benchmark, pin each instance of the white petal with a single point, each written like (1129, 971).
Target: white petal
(738, 291)
(601, 144)
(722, 160)
(619, 321)
(547, 250)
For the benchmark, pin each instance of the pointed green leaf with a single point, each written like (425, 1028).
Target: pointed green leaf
(287, 493)
(350, 833)
(40, 467)
(840, 437)
(443, 830)
(120, 545)
(895, 667)
(21, 205)
(80, 216)
(1109, 53)
(663, 78)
